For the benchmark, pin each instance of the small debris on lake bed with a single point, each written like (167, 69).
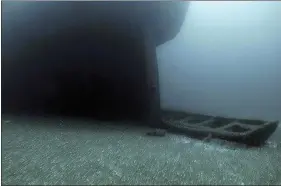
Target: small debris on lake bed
(208, 138)
(157, 132)
(7, 121)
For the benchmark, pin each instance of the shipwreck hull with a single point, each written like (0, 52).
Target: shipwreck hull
(85, 58)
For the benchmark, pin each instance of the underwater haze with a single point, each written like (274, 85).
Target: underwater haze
(225, 61)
